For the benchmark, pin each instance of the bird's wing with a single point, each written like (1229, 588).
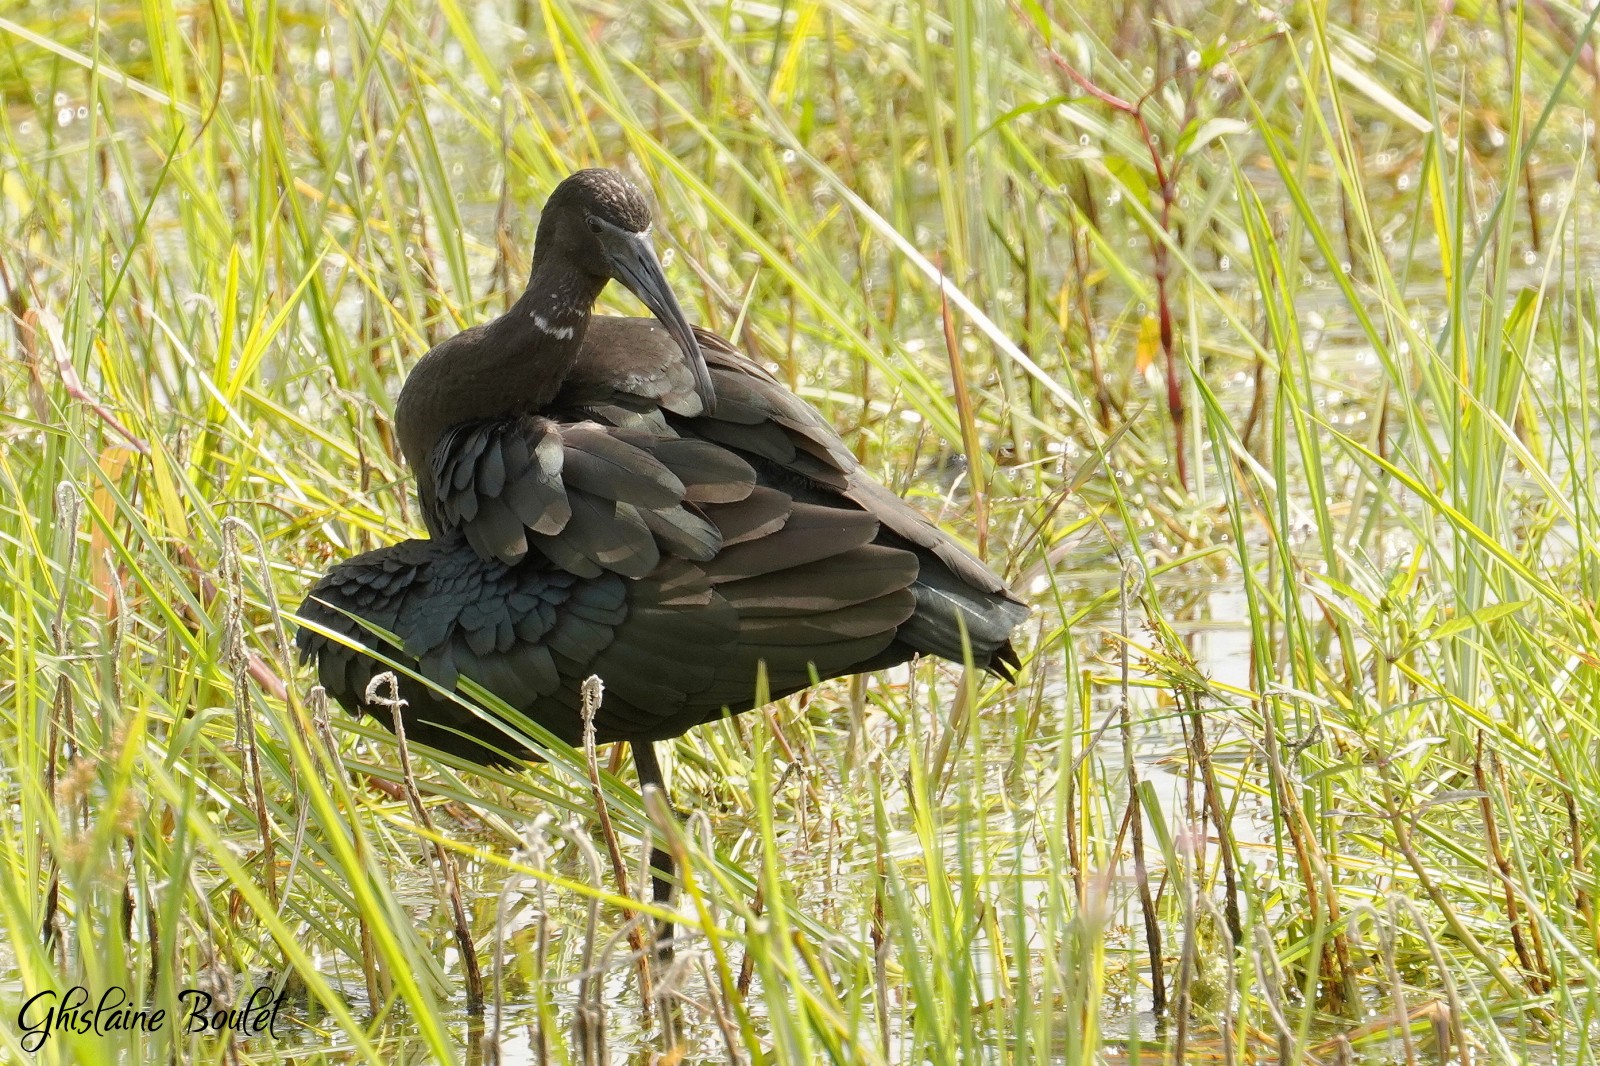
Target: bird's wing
(632, 374)
(625, 470)
(814, 595)
(589, 497)
(633, 370)
(815, 450)
(529, 632)
(673, 648)
(900, 518)
(798, 454)
(457, 614)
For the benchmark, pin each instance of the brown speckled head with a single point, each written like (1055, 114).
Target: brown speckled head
(605, 193)
(575, 210)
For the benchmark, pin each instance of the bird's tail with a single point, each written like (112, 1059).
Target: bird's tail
(949, 609)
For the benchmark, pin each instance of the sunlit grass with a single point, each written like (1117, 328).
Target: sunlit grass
(1351, 663)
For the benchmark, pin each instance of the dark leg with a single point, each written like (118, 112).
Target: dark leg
(644, 759)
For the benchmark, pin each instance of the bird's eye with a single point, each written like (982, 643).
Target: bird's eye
(594, 224)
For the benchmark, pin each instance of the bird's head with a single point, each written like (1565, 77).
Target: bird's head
(598, 222)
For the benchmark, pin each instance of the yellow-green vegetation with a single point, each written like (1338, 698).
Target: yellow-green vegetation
(1264, 364)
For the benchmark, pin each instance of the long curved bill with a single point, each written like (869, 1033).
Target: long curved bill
(634, 263)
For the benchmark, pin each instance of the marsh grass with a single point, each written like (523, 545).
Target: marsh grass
(1274, 390)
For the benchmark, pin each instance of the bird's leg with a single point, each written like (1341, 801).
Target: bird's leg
(644, 759)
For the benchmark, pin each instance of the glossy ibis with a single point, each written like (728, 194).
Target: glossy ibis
(636, 499)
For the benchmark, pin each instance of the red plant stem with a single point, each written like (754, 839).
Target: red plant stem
(76, 390)
(1167, 184)
(1175, 404)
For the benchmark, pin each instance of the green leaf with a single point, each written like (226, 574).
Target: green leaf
(1196, 137)
(1477, 618)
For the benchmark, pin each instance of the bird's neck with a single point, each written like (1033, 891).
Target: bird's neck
(528, 352)
(517, 362)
